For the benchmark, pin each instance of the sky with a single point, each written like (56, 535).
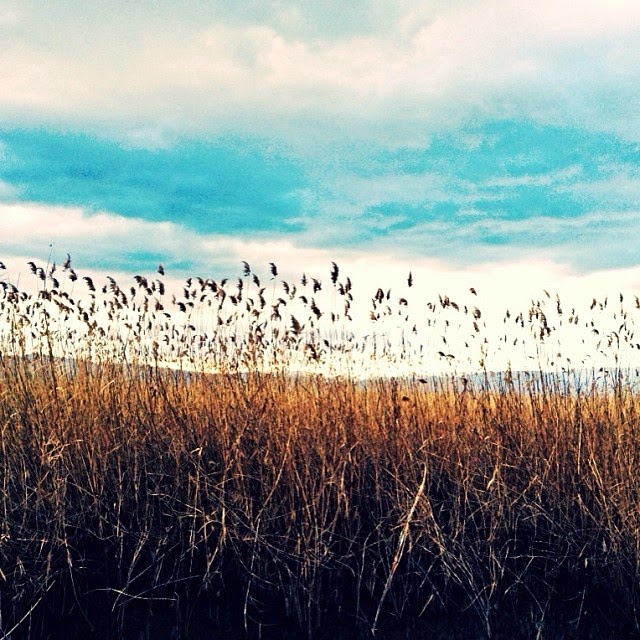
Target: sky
(477, 141)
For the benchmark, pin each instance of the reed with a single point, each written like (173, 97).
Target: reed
(228, 493)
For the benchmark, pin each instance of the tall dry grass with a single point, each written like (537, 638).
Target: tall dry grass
(137, 499)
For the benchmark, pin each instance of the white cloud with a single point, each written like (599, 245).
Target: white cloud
(7, 190)
(545, 60)
(555, 178)
(9, 16)
(618, 184)
(28, 228)
(97, 239)
(404, 189)
(592, 19)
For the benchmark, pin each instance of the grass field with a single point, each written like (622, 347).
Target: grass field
(239, 493)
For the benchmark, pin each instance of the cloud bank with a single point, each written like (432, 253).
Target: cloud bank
(150, 72)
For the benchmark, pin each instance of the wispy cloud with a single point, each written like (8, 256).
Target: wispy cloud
(552, 178)
(291, 68)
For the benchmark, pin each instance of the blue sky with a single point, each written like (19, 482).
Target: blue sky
(456, 136)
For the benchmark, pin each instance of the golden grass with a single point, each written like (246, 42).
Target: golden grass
(264, 497)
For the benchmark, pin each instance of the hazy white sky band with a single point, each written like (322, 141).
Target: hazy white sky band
(503, 291)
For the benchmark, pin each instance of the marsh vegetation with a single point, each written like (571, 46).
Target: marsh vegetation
(180, 463)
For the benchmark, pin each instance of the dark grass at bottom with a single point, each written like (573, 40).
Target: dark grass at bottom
(160, 624)
(574, 614)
